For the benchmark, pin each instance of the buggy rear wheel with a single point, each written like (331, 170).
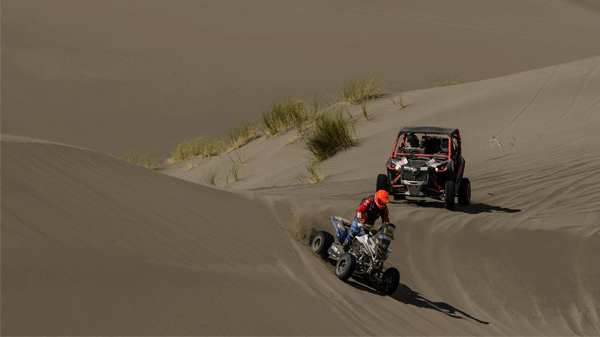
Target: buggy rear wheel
(449, 194)
(321, 242)
(345, 266)
(390, 281)
(464, 192)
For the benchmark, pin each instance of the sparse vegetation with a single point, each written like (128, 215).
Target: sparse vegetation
(332, 133)
(189, 166)
(242, 133)
(314, 174)
(141, 158)
(234, 169)
(357, 90)
(326, 133)
(211, 177)
(202, 147)
(364, 109)
(284, 114)
(399, 103)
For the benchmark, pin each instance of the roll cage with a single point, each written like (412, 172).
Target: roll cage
(426, 147)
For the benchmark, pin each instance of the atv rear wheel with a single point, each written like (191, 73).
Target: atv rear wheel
(449, 194)
(321, 242)
(345, 266)
(464, 192)
(390, 281)
(382, 183)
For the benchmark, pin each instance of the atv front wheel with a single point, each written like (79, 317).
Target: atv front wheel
(464, 192)
(449, 194)
(390, 281)
(382, 183)
(345, 266)
(321, 242)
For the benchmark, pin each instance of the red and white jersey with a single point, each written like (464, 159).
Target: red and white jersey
(368, 212)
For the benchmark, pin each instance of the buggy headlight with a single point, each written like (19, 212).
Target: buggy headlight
(440, 167)
(395, 163)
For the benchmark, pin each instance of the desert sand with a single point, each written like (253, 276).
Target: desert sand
(115, 75)
(93, 245)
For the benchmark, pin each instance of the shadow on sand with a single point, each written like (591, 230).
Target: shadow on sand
(473, 208)
(407, 296)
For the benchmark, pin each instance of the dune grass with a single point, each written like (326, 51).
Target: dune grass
(313, 174)
(360, 89)
(284, 114)
(242, 133)
(211, 177)
(365, 113)
(234, 168)
(399, 103)
(327, 133)
(203, 147)
(332, 133)
(141, 158)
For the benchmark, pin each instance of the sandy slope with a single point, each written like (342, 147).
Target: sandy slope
(93, 245)
(114, 75)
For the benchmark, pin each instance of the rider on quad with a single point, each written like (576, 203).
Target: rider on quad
(369, 210)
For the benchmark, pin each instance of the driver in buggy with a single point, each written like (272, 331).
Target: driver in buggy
(367, 213)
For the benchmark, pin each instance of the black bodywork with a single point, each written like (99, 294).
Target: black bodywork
(432, 166)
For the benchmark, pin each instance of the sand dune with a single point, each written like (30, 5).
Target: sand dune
(94, 245)
(115, 75)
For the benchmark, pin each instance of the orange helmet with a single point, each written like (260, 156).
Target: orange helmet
(381, 198)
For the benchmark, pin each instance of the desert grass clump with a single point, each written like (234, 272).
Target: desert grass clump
(242, 133)
(332, 133)
(313, 174)
(284, 114)
(364, 110)
(234, 169)
(211, 177)
(138, 157)
(202, 147)
(360, 89)
(399, 103)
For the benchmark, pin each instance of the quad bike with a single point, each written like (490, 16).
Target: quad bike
(365, 256)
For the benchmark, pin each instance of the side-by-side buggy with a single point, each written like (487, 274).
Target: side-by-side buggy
(427, 162)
